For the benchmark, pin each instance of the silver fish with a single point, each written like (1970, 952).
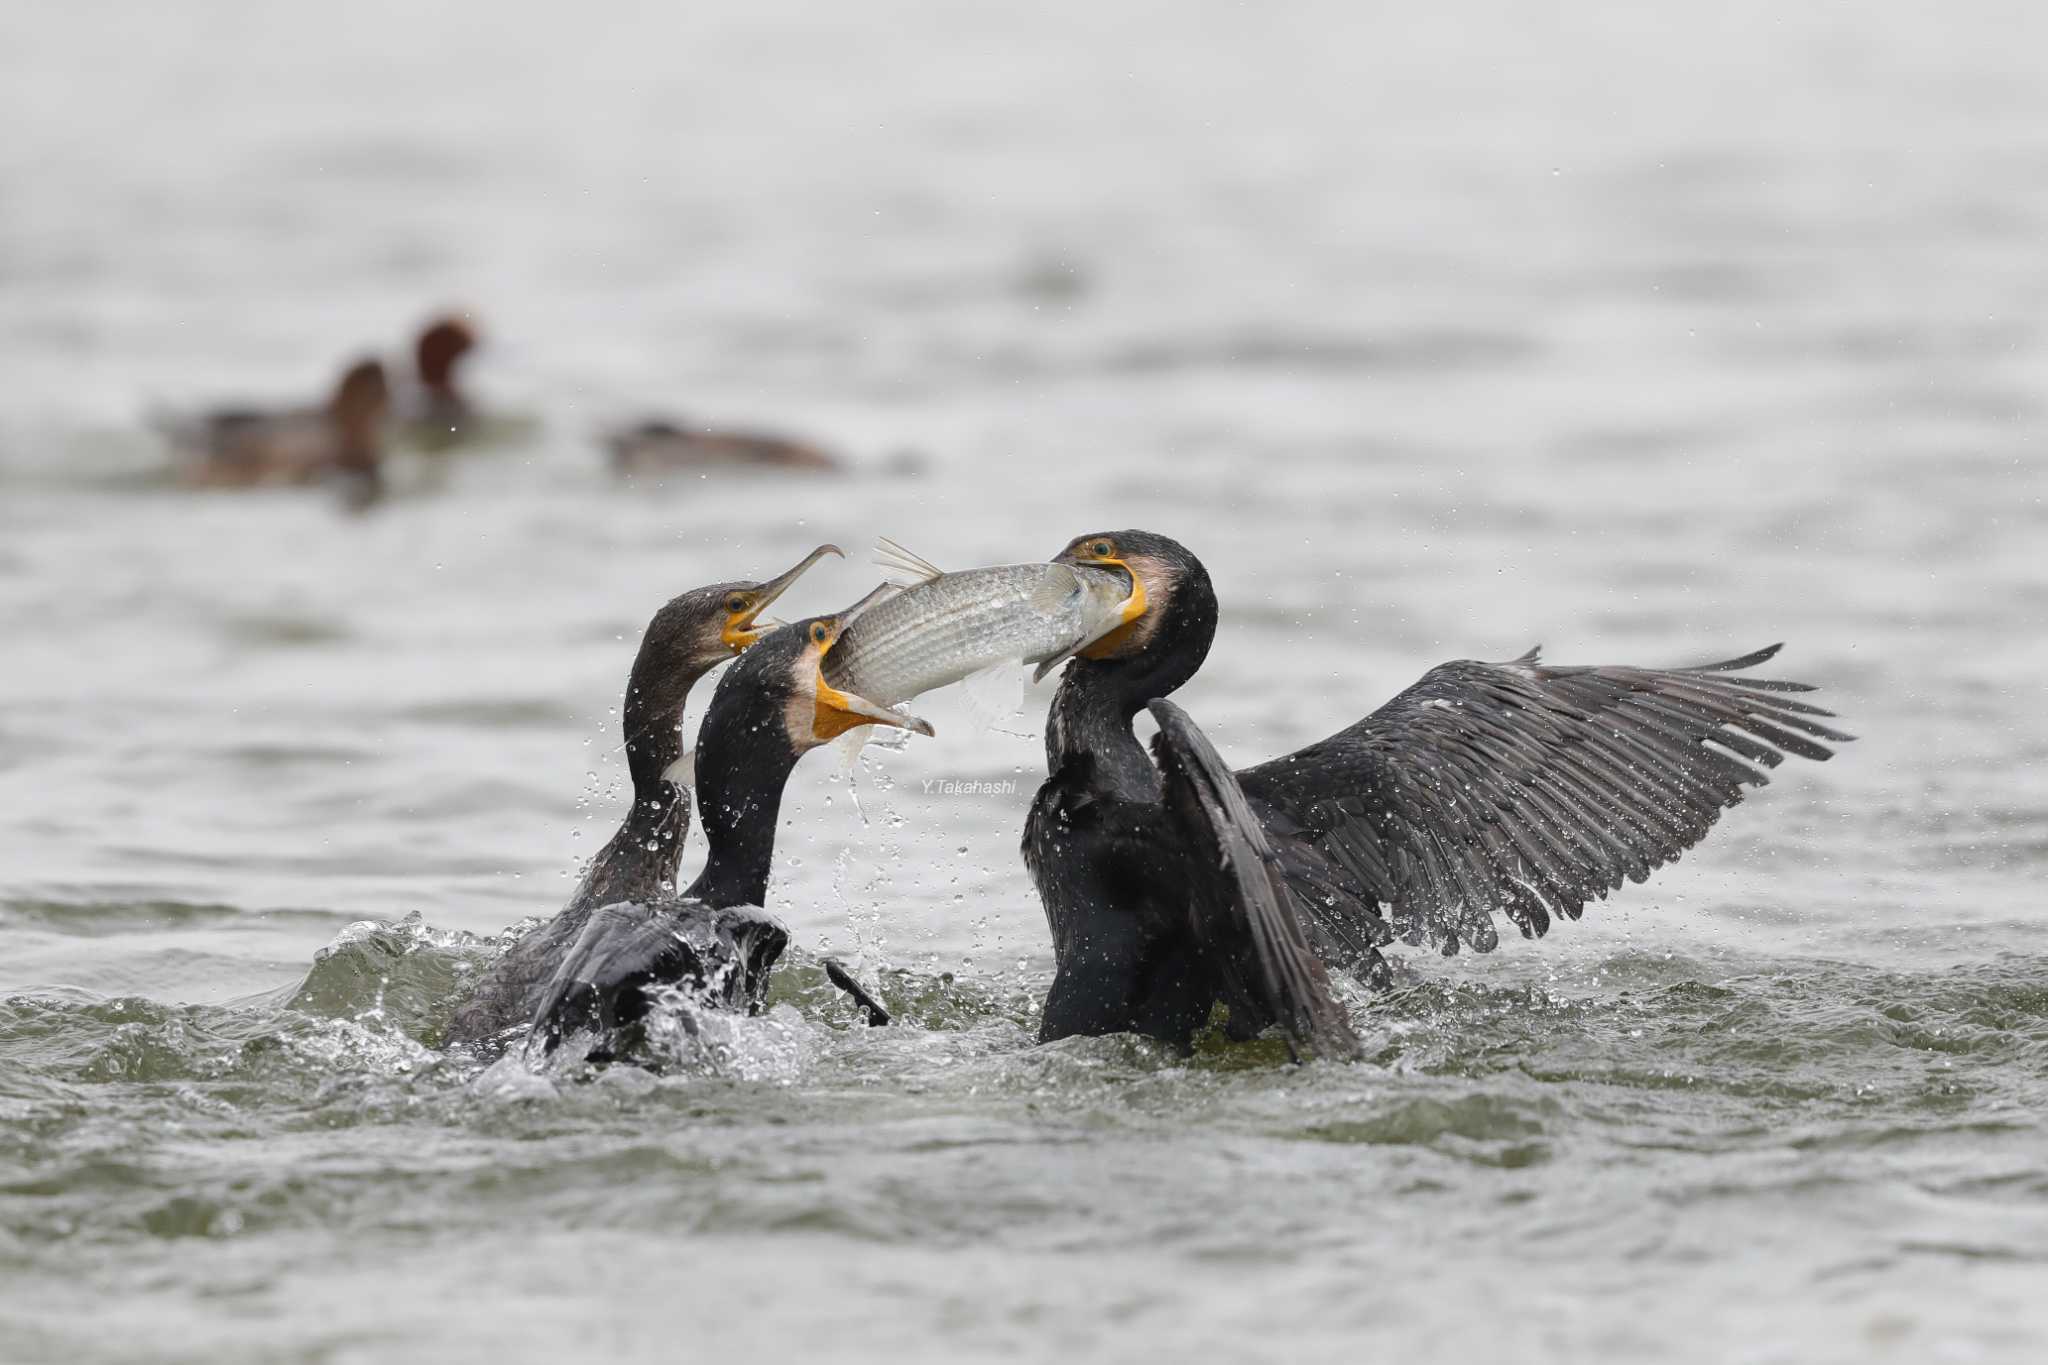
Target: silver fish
(943, 627)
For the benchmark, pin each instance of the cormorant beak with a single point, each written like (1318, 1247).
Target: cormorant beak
(835, 712)
(1129, 612)
(743, 628)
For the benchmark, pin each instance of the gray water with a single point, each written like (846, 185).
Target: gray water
(1654, 334)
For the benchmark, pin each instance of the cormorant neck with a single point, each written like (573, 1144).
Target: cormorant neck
(1091, 715)
(640, 861)
(652, 721)
(742, 765)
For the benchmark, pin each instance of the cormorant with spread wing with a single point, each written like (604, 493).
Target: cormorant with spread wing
(1519, 787)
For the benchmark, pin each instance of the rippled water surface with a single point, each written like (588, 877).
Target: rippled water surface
(1654, 335)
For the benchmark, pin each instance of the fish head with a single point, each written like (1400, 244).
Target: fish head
(786, 673)
(1157, 569)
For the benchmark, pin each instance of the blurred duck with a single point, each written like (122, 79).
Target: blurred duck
(436, 413)
(658, 446)
(340, 441)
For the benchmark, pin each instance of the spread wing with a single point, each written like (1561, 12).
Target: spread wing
(1521, 787)
(1244, 914)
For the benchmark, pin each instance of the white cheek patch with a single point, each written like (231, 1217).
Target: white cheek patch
(1161, 581)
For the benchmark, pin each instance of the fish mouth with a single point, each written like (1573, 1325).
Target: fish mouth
(834, 712)
(746, 626)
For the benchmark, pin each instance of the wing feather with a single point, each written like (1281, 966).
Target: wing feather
(1245, 916)
(1523, 788)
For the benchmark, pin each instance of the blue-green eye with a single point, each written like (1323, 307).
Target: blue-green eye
(1102, 549)
(818, 633)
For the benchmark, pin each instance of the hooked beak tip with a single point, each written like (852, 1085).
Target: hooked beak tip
(748, 629)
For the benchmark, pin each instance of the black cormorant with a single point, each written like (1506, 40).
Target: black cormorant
(715, 940)
(686, 639)
(1519, 787)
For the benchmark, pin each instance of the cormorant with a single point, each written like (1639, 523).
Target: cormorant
(771, 708)
(1520, 787)
(686, 639)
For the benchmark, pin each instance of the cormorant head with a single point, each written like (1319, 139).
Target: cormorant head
(706, 626)
(688, 638)
(1171, 602)
(441, 344)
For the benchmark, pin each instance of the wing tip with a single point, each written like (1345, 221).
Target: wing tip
(1749, 660)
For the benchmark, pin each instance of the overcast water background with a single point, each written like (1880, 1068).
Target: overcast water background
(1649, 332)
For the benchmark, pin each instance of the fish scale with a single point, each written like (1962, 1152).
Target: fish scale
(943, 629)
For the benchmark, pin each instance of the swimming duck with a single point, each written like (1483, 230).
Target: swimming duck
(658, 445)
(438, 414)
(1520, 787)
(338, 441)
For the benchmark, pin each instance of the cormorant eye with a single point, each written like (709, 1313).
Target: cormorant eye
(818, 633)
(1102, 549)
(735, 604)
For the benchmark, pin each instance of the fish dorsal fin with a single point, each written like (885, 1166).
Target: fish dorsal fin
(993, 693)
(903, 568)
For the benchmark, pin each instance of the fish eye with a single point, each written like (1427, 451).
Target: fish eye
(818, 632)
(735, 604)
